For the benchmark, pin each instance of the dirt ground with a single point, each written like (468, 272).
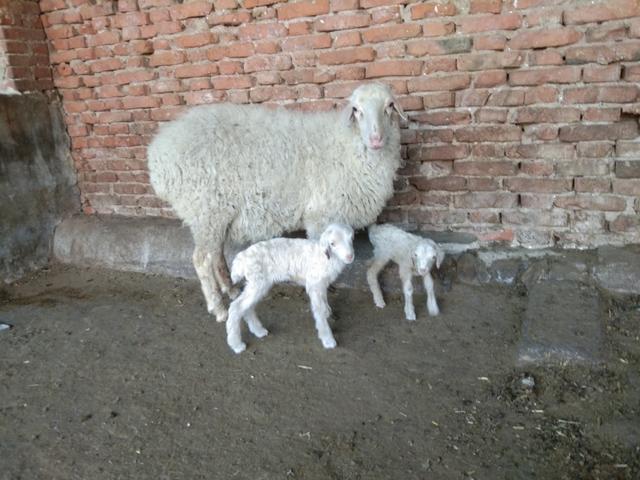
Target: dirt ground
(109, 375)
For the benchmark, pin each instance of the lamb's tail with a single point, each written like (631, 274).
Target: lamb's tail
(237, 268)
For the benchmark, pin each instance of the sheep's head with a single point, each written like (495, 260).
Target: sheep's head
(372, 107)
(337, 240)
(425, 255)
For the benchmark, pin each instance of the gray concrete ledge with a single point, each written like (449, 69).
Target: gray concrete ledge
(164, 246)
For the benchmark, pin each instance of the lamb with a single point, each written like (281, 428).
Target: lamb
(414, 255)
(238, 174)
(314, 264)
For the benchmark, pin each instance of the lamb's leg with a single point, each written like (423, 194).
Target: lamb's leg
(202, 261)
(245, 302)
(254, 324)
(321, 311)
(407, 290)
(432, 305)
(372, 279)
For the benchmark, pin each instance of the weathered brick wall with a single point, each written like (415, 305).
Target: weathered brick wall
(24, 56)
(524, 113)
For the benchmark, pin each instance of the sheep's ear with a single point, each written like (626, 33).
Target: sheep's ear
(398, 108)
(347, 114)
(327, 252)
(439, 257)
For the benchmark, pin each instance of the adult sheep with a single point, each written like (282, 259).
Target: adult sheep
(239, 174)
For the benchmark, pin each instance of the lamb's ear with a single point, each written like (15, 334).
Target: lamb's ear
(327, 252)
(439, 257)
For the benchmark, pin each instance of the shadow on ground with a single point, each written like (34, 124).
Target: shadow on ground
(110, 375)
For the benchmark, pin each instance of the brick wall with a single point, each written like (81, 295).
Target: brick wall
(524, 113)
(24, 56)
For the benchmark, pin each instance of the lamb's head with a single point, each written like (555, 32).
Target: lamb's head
(337, 240)
(425, 255)
(371, 108)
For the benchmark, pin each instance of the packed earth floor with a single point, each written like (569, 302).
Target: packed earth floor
(108, 375)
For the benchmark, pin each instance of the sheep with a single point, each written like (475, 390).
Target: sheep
(414, 255)
(314, 264)
(238, 174)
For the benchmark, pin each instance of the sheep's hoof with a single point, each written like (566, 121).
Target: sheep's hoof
(329, 343)
(433, 311)
(381, 304)
(411, 316)
(239, 348)
(221, 316)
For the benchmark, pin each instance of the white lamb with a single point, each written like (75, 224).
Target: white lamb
(238, 174)
(414, 255)
(314, 264)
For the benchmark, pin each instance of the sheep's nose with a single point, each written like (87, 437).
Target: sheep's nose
(350, 258)
(376, 140)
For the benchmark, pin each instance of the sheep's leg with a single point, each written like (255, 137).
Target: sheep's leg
(245, 302)
(432, 305)
(202, 261)
(407, 290)
(372, 278)
(321, 312)
(221, 272)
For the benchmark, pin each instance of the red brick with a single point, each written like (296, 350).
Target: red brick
(540, 76)
(347, 39)
(194, 40)
(449, 183)
(438, 29)
(508, 21)
(230, 67)
(386, 15)
(225, 4)
(392, 32)
(484, 168)
(490, 78)
(538, 185)
(166, 58)
(619, 130)
(581, 201)
(456, 81)
(543, 38)
(490, 61)
(625, 223)
(198, 70)
(490, 42)
(394, 68)
(601, 54)
(609, 94)
(140, 102)
(350, 55)
(432, 9)
(191, 9)
(106, 65)
(299, 28)
(544, 17)
(232, 82)
(485, 6)
(272, 62)
(630, 186)
(306, 42)
(537, 168)
(547, 115)
(611, 114)
(606, 10)
(631, 73)
(259, 3)
(232, 18)
(443, 118)
(605, 33)
(342, 22)
(488, 133)
(439, 64)
(592, 185)
(430, 46)
(548, 151)
(304, 8)
(262, 30)
(486, 200)
(505, 97)
(439, 100)
(491, 115)
(545, 57)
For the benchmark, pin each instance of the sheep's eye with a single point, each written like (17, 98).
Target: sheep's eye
(333, 244)
(356, 112)
(389, 108)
